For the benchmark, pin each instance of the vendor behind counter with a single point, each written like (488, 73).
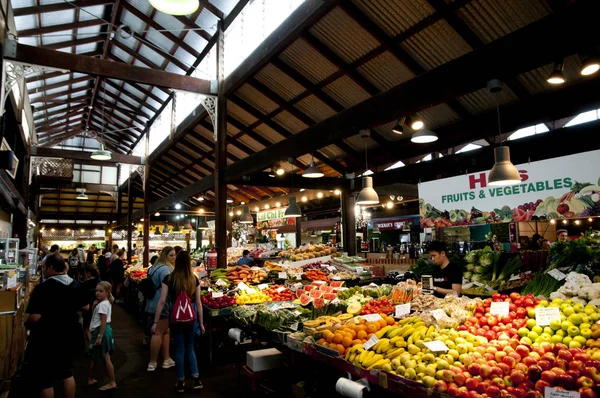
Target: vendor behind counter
(246, 259)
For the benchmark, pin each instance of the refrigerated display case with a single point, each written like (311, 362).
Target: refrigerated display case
(9, 253)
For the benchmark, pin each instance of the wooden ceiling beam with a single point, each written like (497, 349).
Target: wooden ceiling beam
(51, 123)
(54, 104)
(74, 43)
(140, 101)
(72, 5)
(128, 112)
(45, 118)
(60, 28)
(50, 97)
(43, 89)
(123, 103)
(166, 55)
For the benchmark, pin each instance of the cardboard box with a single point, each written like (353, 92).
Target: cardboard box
(260, 360)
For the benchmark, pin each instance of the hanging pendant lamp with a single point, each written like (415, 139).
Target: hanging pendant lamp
(504, 172)
(101, 154)
(423, 137)
(313, 171)
(165, 230)
(293, 210)
(176, 228)
(246, 217)
(157, 231)
(367, 195)
(202, 223)
(187, 226)
(82, 195)
(176, 7)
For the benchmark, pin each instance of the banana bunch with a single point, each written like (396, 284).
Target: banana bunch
(368, 359)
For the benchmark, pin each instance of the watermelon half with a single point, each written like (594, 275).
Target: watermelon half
(318, 302)
(308, 288)
(336, 283)
(305, 300)
(326, 289)
(299, 292)
(316, 293)
(330, 296)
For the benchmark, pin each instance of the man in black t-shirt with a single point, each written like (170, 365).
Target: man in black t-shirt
(448, 277)
(55, 330)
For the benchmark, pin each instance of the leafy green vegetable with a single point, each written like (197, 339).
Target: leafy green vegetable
(423, 267)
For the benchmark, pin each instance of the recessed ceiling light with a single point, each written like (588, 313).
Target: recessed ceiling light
(320, 195)
(178, 206)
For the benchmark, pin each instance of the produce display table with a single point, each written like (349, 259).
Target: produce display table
(211, 316)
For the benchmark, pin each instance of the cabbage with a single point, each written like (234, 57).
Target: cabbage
(469, 267)
(471, 256)
(478, 269)
(467, 275)
(486, 259)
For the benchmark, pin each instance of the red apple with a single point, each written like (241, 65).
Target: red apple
(474, 394)
(452, 390)
(515, 355)
(544, 364)
(520, 393)
(549, 356)
(587, 392)
(581, 356)
(558, 371)
(593, 363)
(497, 372)
(472, 383)
(440, 386)
(565, 381)
(510, 361)
(560, 363)
(497, 381)
(517, 377)
(565, 354)
(558, 347)
(541, 385)
(575, 350)
(522, 367)
(481, 388)
(463, 394)
(548, 376)
(535, 355)
(460, 379)
(489, 356)
(448, 376)
(493, 392)
(534, 372)
(522, 350)
(546, 346)
(576, 365)
(475, 369)
(534, 394)
(539, 350)
(574, 374)
(485, 370)
(585, 381)
(505, 368)
(490, 335)
(529, 360)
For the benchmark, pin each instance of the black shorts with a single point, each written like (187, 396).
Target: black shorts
(44, 367)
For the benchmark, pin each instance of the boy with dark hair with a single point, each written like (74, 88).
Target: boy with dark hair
(448, 277)
(55, 330)
(246, 260)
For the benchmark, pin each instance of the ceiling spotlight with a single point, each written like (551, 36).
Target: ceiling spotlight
(200, 211)
(390, 204)
(589, 65)
(257, 208)
(557, 76)
(52, 230)
(101, 154)
(277, 204)
(200, 198)
(313, 171)
(590, 219)
(82, 230)
(565, 221)
(157, 214)
(110, 230)
(68, 230)
(267, 207)
(320, 195)
(242, 203)
(231, 214)
(302, 189)
(576, 222)
(553, 221)
(279, 170)
(141, 220)
(304, 198)
(82, 195)
(399, 127)
(176, 7)
(178, 206)
(424, 137)
(416, 123)
(239, 212)
(229, 200)
(337, 192)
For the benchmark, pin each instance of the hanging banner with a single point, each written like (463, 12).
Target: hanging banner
(393, 225)
(273, 219)
(564, 187)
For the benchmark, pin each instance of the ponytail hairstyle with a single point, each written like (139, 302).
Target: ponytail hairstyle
(107, 287)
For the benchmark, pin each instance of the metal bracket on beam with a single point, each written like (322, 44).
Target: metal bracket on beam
(214, 86)
(113, 194)
(210, 104)
(141, 171)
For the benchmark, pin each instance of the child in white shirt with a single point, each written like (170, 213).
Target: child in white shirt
(102, 343)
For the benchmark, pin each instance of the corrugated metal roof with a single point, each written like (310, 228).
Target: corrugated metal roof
(345, 91)
(535, 80)
(436, 45)
(289, 122)
(482, 100)
(358, 143)
(246, 140)
(96, 11)
(314, 108)
(492, 19)
(279, 82)
(395, 16)
(343, 35)
(57, 18)
(386, 131)
(438, 115)
(331, 151)
(302, 57)
(386, 71)
(269, 133)
(26, 22)
(224, 6)
(256, 99)
(207, 21)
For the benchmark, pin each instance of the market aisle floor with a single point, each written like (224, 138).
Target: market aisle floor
(131, 359)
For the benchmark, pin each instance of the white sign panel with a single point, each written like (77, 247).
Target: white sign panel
(541, 192)
(543, 316)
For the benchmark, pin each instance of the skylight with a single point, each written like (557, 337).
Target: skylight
(470, 147)
(425, 159)
(396, 165)
(528, 131)
(584, 117)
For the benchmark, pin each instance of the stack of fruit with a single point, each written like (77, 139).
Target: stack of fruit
(252, 297)
(245, 274)
(378, 306)
(279, 293)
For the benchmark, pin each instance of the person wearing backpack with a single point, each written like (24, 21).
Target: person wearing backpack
(161, 338)
(182, 288)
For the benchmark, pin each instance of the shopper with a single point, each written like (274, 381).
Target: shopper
(102, 343)
(89, 290)
(161, 337)
(90, 255)
(103, 265)
(113, 256)
(448, 277)
(178, 286)
(82, 260)
(55, 332)
(134, 250)
(545, 244)
(73, 261)
(246, 259)
(534, 244)
(117, 275)
(562, 235)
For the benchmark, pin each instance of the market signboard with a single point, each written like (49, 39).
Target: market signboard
(273, 219)
(564, 187)
(393, 225)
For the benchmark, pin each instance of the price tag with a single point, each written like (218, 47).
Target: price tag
(372, 317)
(436, 346)
(220, 282)
(550, 392)
(336, 278)
(543, 316)
(298, 276)
(371, 342)
(217, 294)
(556, 274)
(332, 268)
(515, 278)
(439, 315)
(283, 275)
(324, 265)
(500, 308)
(402, 309)
(359, 270)
(11, 281)
(478, 284)
(243, 286)
(488, 288)
(294, 326)
(263, 286)
(280, 289)
(297, 313)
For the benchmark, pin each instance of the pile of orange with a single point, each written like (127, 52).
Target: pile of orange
(355, 332)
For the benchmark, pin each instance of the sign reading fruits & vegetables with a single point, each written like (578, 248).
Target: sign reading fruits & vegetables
(549, 189)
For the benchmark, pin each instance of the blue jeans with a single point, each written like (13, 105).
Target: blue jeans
(184, 351)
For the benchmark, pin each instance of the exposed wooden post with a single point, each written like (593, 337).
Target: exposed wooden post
(146, 241)
(129, 219)
(348, 223)
(221, 155)
(198, 234)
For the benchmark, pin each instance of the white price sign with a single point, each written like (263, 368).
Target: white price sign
(402, 309)
(217, 294)
(220, 282)
(282, 275)
(371, 342)
(436, 346)
(543, 316)
(332, 268)
(372, 317)
(500, 308)
(489, 288)
(294, 326)
(263, 286)
(359, 270)
(243, 286)
(280, 289)
(550, 392)
(556, 274)
(439, 315)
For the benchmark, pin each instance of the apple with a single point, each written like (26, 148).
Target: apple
(548, 376)
(539, 350)
(534, 372)
(541, 385)
(485, 370)
(544, 364)
(581, 356)
(587, 392)
(508, 349)
(519, 392)
(510, 361)
(452, 390)
(505, 368)
(496, 372)
(448, 376)
(558, 347)
(593, 363)
(522, 350)
(528, 361)
(460, 379)
(474, 394)
(533, 394)
(440, 386)
(547, 347)
(493, 392)
(592, 373)
(517, 377)
(481, 388)
(565, 381)
(522, 367)
(560, 363)
(565, 354)
(489, 356)
(463, 394)
(535, 355)
(472, 384)
(574, 374)
(508, 381)
(499, 355)
(499, 382)
(558, 371)
(576, 365)
(585, 381)
(549, 356)
(474, 369)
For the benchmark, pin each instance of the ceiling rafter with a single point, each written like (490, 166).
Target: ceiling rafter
(48, 87)
(40, 9)
(46, 116)
(62, 27)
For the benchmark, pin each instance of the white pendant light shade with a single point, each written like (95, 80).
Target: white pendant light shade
(187, 226)
(202, 224)
(424, 137)
(176, 7)
(101, 154)
(293, 210)
(246, 217)
(82, 196)
(313, 171)
(367, 195)
(504, 172)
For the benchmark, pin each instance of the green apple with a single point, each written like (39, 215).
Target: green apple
(580, 339)
(526, 340)
(556, 339)
(578, 307)
(553, 304)
(567, 309)
(454, 354)
(531, 324)
(555, 325)
(569, 301)
(585, 317)
(565, 325)
(523, 332)
(543, 303)
(533, 336)
(589, 310)
(548, 330)
(537, 329)
(557, 301)
(573, 331)
(567, 340)
(429, 370)
(531, 313)
(595, 317)
(576, 319)
(585, 325)
(546, 337)
(429, 381)
(410, 374)
(560, 333)
(420, 368)
(586, 333)
(575, 344)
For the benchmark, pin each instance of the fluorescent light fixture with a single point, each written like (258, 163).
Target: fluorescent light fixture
(101, 154)
(176, 7)
(424, 137)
